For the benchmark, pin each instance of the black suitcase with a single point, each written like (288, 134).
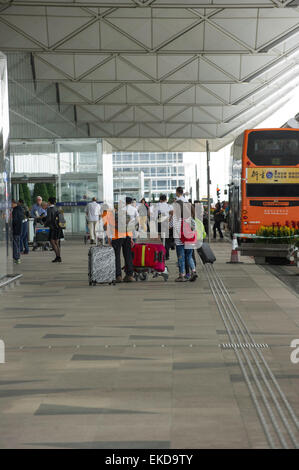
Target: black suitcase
(206, 253)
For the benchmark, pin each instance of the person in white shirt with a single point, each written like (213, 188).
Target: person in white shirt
(133, 213)
(180, 194)
(93, 213)
(162, 207)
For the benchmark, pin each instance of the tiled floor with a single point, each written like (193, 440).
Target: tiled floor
(135, 365)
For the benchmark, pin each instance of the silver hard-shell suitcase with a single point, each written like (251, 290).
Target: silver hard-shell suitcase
(101, 265)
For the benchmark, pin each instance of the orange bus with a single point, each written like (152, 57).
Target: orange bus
(264, 187)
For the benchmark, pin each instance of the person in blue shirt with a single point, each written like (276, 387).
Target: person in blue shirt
(37, 209)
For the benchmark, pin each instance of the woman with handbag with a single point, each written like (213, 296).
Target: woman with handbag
(185, 239)
(56, 233)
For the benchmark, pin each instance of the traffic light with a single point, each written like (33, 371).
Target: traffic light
(218, 193)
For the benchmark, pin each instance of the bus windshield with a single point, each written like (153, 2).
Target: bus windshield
(272, 190)
(273, 148)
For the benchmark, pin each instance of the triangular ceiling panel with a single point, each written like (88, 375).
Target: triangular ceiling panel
(83, 41)
(187, 97)
(150, 89)
(232, 110)
(113, 110)
(209, 128)
(199, 115)
(139, 29)
(169, 91)
(126, 72)
(148, 131)
(239, 90)
(141, 115)
(251, 64)
(215, 112)
(156, 111)
(102, 89)
(10, 39)
(118, 96)
(190, 41)
(85, 62)
(135, 96)
(183, 132)
(103, 72)
(165, 29)
(124, 116)
(215, 40)
(83, 89)
(184, 116)
(243, 29)
(169, 63)
(101, 129)
(270, 29)
(198, 133)
(96, 110)
(60, 28)
(203, 97)
(148, 63)
(69, 96)
(128, 130)
(228, 63)
(63, 62)
(127, 13)
(44, 71)
(112, 40)
(220, 90)
(209, 73)
(171, 111)
(33, 26)
(85, 116)
(188, 72)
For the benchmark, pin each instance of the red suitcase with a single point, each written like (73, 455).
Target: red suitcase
(149, 255)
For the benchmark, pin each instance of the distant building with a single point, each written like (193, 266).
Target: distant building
(163, 172)
(128, 183)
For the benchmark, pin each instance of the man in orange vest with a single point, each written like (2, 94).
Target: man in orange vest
(115, 223)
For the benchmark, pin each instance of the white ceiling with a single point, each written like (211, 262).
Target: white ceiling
(161, 73)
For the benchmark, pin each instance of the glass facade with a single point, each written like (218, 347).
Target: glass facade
(163, 172)
(80, 168)
(5, 262)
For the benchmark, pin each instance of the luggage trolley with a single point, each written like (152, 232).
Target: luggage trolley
(149, 258)
(41, 237)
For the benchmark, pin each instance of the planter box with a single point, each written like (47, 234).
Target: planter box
(261, 251)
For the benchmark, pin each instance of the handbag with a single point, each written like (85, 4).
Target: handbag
(187, 234)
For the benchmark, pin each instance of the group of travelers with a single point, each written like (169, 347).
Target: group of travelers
(176, 224)
(45, 213)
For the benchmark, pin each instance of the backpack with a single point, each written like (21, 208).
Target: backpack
(60, 220)
(200, 229)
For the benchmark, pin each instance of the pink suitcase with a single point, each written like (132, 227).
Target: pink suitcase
(151, 255)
